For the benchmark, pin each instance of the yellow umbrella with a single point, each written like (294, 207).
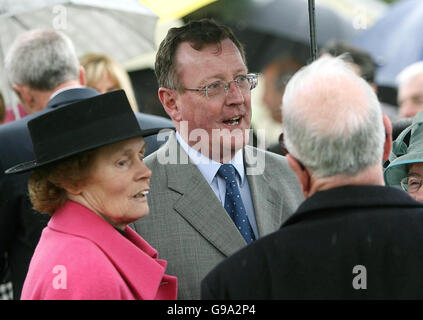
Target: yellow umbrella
(171, 9)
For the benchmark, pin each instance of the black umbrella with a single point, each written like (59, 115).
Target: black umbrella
(278, 27)
(311, 17)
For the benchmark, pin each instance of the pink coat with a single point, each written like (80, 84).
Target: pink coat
(81, 256)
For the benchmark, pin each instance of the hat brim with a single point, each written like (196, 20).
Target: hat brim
(33, 164)
(397, 170)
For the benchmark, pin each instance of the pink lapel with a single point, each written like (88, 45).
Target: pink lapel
(133, 257)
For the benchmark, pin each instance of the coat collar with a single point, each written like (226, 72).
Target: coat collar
(133, 257)
(71, 95)
(346, 197)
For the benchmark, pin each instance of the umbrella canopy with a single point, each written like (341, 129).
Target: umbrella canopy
(276, 27)
(170, 13)
(122, 29)
(171, 9)
(290, 18)
(395, 40)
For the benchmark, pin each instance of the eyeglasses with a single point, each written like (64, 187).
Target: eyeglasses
(220, 88)
(411, 184)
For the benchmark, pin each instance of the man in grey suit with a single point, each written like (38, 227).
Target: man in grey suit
(205, 89)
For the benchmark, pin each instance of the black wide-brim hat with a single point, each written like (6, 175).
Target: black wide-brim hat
(81, 126)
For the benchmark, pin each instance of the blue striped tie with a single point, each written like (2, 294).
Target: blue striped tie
(233, 202)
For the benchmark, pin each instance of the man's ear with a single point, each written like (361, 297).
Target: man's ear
(82, 79)
(168, 99)
(26, 97)
(388, 137)
(73, 188)
(303, 176)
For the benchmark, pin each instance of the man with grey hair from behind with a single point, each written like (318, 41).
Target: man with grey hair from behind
(353, 237)
(44, 72)
(334, 127)
(38, 64)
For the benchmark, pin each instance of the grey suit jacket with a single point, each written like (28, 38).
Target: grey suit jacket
(188, 225)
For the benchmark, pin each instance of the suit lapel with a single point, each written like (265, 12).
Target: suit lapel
(266, 199)
(199, 205)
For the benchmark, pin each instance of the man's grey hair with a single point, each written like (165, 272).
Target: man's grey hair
(409, 72)
(332, 119)
(42, 60)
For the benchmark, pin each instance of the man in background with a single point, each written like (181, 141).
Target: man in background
(410, 90)
(363, 64)
(43, 70)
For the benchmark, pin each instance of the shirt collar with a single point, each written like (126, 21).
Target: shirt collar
(209, 167)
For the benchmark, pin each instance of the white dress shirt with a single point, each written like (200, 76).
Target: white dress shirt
(209, 168)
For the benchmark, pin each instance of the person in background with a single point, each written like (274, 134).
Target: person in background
(398, 126)
(43, 70)
(92, 190)
(405, 169)
(363, 64)
(105, 75)
(353, 237)
(410, 90)
(211, 193)
(267, 114)
(276, 75)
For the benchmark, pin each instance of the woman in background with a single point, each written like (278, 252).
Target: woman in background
(105, 75)
(405, 169)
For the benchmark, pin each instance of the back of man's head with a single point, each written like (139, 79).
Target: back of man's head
(42, 60)
(332, 119)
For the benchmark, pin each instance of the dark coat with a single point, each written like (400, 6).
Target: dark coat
(353, 242)
(20, 225)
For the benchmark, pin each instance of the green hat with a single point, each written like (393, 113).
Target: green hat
(406, 149)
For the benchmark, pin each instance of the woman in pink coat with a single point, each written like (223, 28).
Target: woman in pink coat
(90, 177)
